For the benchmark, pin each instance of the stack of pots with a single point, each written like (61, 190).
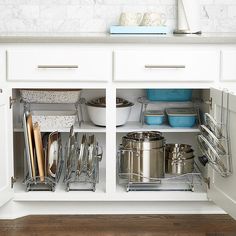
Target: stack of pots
(142, 156)
(179, 159)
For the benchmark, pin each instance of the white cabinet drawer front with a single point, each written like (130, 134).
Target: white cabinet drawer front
(228, 66)
(167, 65)
(59, 65)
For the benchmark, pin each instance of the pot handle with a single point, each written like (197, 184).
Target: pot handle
(203, 160)
(100, 153)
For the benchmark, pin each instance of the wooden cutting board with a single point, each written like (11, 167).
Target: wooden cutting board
(29, 125)
(39, 150)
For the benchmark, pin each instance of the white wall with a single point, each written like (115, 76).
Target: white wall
(97, 15)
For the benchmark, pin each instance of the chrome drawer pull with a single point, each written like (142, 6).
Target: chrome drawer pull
(0, 90)
(57, 66)
(165, 66)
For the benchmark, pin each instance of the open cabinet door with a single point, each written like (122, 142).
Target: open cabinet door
(6, 148)
(222, 190)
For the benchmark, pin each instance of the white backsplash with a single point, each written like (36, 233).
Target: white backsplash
(98, 15)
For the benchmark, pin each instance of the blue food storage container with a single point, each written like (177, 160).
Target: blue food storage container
(154, 117)
(182, 117)
(170, 95)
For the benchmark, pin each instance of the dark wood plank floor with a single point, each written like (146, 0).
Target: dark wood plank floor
(145, 225)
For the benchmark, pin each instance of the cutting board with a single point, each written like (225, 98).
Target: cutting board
(39, 150)
(29, 125)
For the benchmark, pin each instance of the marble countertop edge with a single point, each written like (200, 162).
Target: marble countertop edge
(205, 38)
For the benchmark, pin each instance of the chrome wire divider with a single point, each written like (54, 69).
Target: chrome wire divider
(226, 129)
(145, 102)
(221, 163)
(183, 182)
(77, 105)
(48, 183)
(81, 178)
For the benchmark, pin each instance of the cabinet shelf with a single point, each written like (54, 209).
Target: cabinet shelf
(165, 128)
(86, 127)
(101, 195)
(159, 195)
(60, 194)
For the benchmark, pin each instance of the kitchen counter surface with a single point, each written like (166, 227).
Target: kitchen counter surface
(206, 38)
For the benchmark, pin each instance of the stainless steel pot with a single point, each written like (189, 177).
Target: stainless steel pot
(180, 166)
(143, 140)
(179, 159)
(179, 151)
(176, 148)
(142, 156)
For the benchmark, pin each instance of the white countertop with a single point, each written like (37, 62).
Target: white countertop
(205, 38)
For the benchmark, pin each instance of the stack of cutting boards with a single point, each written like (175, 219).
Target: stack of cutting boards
(41, 157)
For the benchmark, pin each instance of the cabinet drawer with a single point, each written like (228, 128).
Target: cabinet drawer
(59, 64)
(228, 65)
(167, 65)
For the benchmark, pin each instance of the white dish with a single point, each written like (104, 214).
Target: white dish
(54, 119)
(53, 158)
(122, 115)
(98, 115)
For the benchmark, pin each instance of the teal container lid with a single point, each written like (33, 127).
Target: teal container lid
(154, 113)
(181, 112)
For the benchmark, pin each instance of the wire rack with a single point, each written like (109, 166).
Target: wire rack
(83, 178)
(47, 182)
(145, 103)
(186, 182)
(220, 161)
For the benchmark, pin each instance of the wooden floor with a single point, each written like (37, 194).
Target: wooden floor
(145, 225)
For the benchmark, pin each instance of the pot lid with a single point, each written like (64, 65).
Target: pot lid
(213, 140)
(212, 124)
(212, 155)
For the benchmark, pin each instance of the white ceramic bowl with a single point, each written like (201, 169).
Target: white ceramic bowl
(122, 114)
(98, 114)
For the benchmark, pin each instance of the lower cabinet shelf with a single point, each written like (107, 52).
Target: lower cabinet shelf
(131, 126)
(86, 126)
(101, 195)
(119, 196)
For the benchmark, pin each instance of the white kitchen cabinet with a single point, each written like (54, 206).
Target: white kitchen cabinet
(110, 196)
(222, 190)
(6, 157)
(58, 64)
(167, 65)
(228, 65)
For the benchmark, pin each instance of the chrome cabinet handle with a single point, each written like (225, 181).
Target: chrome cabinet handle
(0, 90)
(58, 66)
(165, 66)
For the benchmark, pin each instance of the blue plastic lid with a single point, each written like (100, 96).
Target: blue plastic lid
(181, 112)
(154, 113)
